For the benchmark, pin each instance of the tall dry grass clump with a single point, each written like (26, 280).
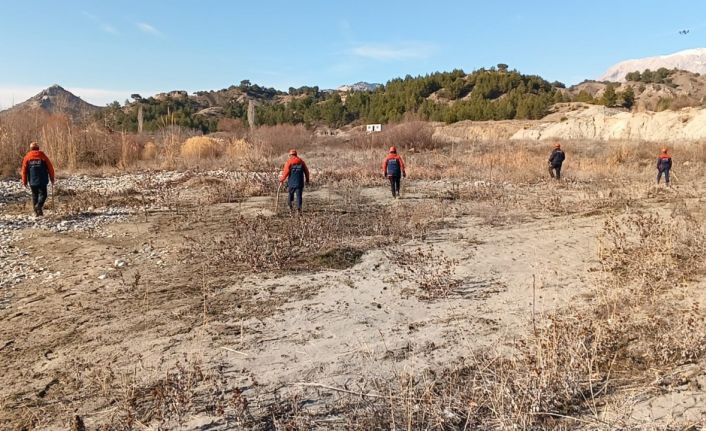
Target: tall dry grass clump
(69, 146)
(169, 140)
(201, 147)
(16, 132)
(149, 151)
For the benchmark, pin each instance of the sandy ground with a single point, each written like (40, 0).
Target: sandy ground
(122, 303)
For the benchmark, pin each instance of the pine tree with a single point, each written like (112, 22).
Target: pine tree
(609, 96)
(628, 97)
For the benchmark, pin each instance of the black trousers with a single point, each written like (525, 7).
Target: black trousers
(298, 192)
(395, 185)
(39, 196)
(555, 171)
(666, 175)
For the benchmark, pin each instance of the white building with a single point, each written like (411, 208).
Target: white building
(373, 128)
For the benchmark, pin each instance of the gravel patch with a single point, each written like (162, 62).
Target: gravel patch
(17, 265)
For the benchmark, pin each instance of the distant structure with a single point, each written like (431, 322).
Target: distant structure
(251, 113)
(372, 128)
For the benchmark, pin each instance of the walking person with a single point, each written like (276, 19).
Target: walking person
(393, 169)
(556, 158)
(296, 174)
(664, 164)
(37, 170)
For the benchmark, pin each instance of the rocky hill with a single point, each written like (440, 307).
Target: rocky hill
(359, 86)
(692, 60)
(679, 90)
(56, 100)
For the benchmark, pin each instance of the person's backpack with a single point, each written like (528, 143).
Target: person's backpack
(393, 168)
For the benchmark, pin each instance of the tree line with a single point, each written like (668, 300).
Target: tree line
(485, 94)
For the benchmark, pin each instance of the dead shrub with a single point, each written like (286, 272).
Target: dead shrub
(277, 243)
(169, 139)
(412, 135)
(149, 151)
(277, 140)
(415, 135)
(238, 149)
(201, 147)
(240, 189)
(234, 126)
(651, 254)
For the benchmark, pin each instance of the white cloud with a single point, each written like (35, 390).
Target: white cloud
(106, 27)
(149, 29)
(395, 52)
(15, 95)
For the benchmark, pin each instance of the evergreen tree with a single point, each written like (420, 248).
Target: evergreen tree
(628, 97)
(609, 96)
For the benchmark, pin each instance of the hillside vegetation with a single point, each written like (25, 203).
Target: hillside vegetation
(485, 94)
(647, 90)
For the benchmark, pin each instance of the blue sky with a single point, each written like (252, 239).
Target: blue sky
(106, 50)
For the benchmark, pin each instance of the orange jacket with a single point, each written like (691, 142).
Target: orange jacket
(393, 156)
(664, 161)
(288, 166)
(36, 155)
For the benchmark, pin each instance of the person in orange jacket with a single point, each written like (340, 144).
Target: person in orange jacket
(37, 170)
(295, 173)
(393, 169)
(664, 165)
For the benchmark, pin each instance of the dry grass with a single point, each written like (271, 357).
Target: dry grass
(272, 141)
(149, 151)
(333, 237)
(201, 147)
(570, 370)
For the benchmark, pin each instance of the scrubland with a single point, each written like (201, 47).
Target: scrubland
(487, 297)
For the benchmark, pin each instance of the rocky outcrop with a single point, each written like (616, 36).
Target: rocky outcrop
(478, 130)
(604, 124)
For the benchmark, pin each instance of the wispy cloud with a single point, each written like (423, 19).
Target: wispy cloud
(106, 27)
(149, 29)
(395, 52)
